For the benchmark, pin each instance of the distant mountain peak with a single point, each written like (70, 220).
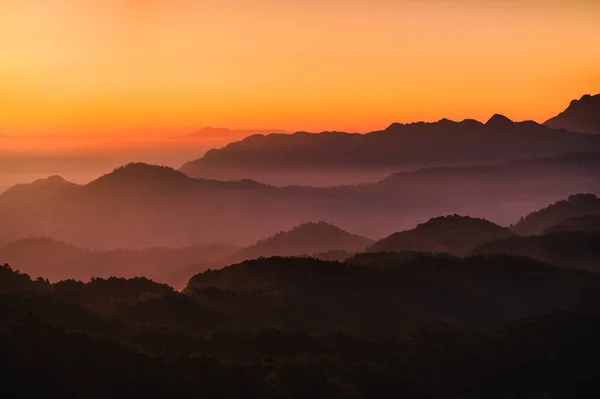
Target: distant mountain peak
(51, 180)
(48, 184)
(582, 116)
(455, 219)
(306, 239)
(446, 120)
(499, 120)
(314, 229)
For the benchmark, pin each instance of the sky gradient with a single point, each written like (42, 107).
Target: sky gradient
(119, 67)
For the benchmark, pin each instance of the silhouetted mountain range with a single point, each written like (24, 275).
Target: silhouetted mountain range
(574, 206)
(582, 115)
(401, 146)
(454, 234)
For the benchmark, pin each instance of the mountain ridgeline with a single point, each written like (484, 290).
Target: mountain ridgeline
(270, 158)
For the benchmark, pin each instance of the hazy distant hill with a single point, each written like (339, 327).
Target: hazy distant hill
(139, 206)
(455, 235)
(582, 115)
(59, 261)
(573, 249)
(136, 206)
(272, 158)
(575, 206)
(37, 190)
(563, 167)
(306, 239)
(320, 240)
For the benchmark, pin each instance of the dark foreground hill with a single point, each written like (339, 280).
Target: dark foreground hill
(272, 157)
(582, 115)
(121, 338)
(300, 292)
(574, 206)
(454, 234)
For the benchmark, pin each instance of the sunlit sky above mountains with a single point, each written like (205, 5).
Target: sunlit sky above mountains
(110, 67)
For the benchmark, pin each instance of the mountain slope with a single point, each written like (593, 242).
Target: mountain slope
(586, 224)
(582, 115)
(574, 206)
(455, 235)
(571, 249)
(264, 157)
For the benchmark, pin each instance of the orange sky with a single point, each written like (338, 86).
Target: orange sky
(87, 67)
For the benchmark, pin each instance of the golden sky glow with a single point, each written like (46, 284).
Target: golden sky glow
(88, 66)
